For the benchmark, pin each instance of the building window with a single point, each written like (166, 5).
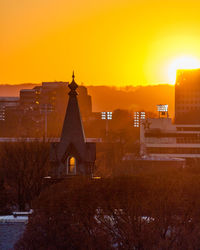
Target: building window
(71, 165)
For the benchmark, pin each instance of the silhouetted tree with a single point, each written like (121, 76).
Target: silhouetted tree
(25, 164)
(5, 199)
(65, 220)
(154, 211)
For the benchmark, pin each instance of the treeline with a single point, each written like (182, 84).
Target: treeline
(147, 211)
(151, 209)
(130, 97)
(23, 166)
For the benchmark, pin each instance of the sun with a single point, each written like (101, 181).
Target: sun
(183, 62)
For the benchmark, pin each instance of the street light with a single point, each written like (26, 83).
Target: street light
(106, 115)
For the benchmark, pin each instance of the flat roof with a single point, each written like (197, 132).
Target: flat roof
(9, 99)
(13, 219)
(27, 90)
(160, 158)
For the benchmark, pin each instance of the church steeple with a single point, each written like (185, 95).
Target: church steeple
(73, 86)
(72, 128)
(73, 155)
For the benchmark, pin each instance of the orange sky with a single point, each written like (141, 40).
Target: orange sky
(106, 42)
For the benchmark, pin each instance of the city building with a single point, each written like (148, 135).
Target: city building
(39, 112)
(54, 95)
(159, 137)
(73, 155)
(6, 104)
(9, 115)
(187, 97)
(28, 98)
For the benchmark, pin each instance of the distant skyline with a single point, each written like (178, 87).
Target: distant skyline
(107, 42)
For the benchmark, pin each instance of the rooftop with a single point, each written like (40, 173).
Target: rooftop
(13, 219)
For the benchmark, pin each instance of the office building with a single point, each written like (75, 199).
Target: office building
(187, 97)
(159, 137)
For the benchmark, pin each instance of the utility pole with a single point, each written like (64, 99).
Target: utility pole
(106, 115)
(46, 108)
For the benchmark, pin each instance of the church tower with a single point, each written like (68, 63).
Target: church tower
(72, 155)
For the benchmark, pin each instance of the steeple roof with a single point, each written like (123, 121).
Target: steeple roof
(73, 86)
(72, 133)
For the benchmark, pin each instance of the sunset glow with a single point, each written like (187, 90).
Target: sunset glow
(115, 42)
(184, 62)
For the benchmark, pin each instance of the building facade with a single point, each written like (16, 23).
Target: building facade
(160, 138)
(6, 104)
(187, 97)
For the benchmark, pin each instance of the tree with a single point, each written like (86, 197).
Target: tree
(5, 198)
(157, 211)
(25, 164)
(64, 218)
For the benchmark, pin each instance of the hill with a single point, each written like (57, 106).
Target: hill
(136, 98)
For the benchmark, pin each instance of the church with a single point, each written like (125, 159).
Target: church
(72, 156)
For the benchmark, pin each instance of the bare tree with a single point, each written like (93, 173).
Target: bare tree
(141, 212)
(25, 164)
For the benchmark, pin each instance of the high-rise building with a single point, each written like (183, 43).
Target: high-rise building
(187, 97)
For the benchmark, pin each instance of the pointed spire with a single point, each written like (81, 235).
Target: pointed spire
(73, 86)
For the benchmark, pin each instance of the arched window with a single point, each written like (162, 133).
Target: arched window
(71, 165)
